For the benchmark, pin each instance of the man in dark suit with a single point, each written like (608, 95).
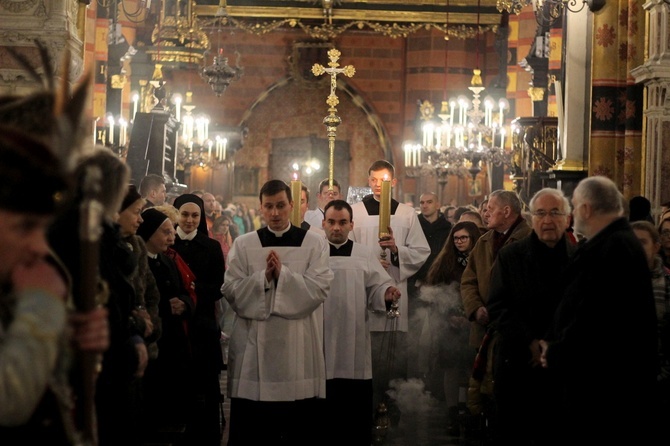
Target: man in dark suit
(603, 344)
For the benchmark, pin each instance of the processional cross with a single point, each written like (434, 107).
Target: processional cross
(332, 120)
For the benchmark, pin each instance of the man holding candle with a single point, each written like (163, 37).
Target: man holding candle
(277, 280)
(403, 249)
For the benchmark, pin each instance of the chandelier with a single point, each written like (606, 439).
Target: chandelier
(547, 12)
(464, 136)
(196, 147)
(219, 75)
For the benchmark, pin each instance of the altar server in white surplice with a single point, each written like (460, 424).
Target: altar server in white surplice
(407, 249)
(277, 280)
(360, 283)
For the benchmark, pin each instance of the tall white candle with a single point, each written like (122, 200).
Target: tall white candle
(177, 103)
(136, 100)
(110, 119)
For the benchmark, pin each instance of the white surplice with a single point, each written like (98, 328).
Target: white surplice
(413, 250)
(276, 346)
(360, 283)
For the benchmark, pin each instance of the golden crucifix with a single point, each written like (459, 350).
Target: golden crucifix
(332, 120)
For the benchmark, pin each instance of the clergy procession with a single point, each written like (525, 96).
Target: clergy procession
(122, 306)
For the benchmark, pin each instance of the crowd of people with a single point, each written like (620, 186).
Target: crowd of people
(121, 305)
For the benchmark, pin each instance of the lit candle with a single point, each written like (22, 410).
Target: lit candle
(296, 192)
(110, 119)
(502, 138)
(452, 107)
(502, 108)
(136, 100)
(225, 144)
(385, 208)
(209, 150)
(407, 146)
(177, 102)
(95, 130)
(123, 132)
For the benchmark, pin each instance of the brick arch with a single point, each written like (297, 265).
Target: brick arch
(290, 109)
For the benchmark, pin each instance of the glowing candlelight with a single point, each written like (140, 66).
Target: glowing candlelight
(123, 132)
(136, 100)
(385, 208)
(177, 103)
(110, 120)
(296, 192)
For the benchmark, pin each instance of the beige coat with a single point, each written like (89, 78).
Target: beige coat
(477, 275)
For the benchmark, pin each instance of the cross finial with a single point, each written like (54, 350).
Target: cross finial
(318, 70)
(332, 120)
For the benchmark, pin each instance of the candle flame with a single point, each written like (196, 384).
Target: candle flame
(295, 176)
(386, 177)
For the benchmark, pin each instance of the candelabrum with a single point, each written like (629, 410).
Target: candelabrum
(465, 136)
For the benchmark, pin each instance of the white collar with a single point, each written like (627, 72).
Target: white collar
(282, 232)
(184, 236)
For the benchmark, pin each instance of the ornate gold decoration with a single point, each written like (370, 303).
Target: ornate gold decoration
(118, 81)
(179, 38)
(329, 31)
(536, 94)
(332, 120)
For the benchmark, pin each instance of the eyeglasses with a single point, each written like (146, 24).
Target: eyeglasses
(461, 239)
(553, 213)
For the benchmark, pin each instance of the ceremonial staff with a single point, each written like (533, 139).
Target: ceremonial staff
(90, 217)
(332, 120)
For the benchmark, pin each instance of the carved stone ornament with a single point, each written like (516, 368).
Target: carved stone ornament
(17, 6)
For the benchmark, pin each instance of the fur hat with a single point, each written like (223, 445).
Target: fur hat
(153, 219)
(131, 197)
(32, 181)
(191, 198)
(111, 170)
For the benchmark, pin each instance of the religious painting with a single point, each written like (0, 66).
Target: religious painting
(246, 181)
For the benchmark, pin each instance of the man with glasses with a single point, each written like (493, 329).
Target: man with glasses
(603, 341)
(314, 217)
(522, 299)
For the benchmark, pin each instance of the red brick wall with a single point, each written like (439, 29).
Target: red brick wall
(391, 76)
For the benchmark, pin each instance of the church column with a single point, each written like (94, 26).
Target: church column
(654, 73)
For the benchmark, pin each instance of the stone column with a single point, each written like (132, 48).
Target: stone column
(655, 75)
